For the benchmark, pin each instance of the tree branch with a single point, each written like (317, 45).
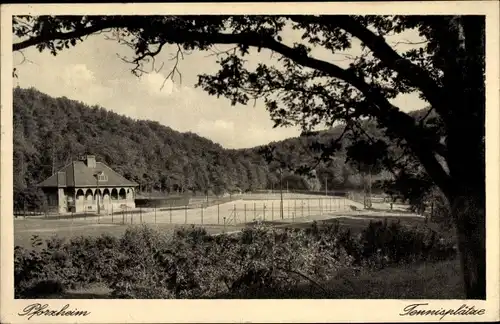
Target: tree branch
(388, 115)
(324, 155)
(175, 68)
(422, 120)
(77, 33)
(407, 42)
(377, 44)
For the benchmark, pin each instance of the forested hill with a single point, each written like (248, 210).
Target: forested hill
(50, 132)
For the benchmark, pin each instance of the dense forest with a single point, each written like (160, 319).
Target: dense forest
(50, 132)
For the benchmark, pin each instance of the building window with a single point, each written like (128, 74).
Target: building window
(102, 177)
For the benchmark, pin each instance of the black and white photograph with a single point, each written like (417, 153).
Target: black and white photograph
(230, 155)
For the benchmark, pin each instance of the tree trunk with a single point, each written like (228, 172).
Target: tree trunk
(464, 91)
(469, 215)
(468, 203)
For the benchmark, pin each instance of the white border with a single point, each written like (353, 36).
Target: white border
(181, 311)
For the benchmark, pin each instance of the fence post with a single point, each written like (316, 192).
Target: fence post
(156, 203)
(234, 209)
(272, 210)
(202, 214)
(264, 211)
(123, 215)
(308, 208)
(320, 207)
(141, 216)
(245, 211)
(302, 207)
(254, 210)
(185, 214)
(170, 214)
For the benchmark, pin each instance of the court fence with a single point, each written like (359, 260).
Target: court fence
(226, 214)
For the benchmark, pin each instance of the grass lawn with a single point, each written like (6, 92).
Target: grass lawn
(24, 229)
(45, 229)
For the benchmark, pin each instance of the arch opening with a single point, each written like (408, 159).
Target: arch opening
(89, 195)
(114, 194)
(122, 194)
(98, 193)
(80, 194)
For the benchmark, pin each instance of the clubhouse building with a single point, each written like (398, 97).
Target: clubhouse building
(83, 185)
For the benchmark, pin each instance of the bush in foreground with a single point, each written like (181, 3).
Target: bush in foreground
(145, 263)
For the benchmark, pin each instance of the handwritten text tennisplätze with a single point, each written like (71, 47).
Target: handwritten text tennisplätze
(44, 310)
(421, 310)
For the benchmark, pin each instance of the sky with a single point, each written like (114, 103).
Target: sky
(93, 73)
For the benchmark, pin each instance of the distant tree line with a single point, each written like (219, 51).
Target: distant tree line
(51, 132)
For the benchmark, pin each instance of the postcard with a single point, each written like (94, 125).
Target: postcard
(250, 162)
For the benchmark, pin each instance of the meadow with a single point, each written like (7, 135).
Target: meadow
(25, 229)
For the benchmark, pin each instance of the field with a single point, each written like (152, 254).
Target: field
(24, 229)
(298, 210)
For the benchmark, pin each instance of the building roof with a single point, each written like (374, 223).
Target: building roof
(78, 174)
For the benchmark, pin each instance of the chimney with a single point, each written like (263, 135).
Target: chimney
(61, 179)
(91, 161)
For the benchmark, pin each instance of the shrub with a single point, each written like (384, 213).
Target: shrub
(81, 261)
(40, 267)
(93, 258)
(145, 263)
(29, 199)
(386, 243)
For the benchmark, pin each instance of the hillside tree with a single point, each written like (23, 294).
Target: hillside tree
(446, 70)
